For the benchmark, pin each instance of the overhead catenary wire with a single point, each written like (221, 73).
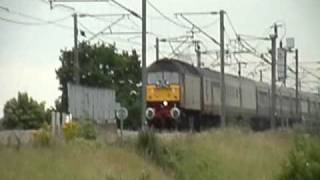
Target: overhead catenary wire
(166, 17)
(39, 21)
(202, 31)
(231, 24)
(106, 28)
(28, 23)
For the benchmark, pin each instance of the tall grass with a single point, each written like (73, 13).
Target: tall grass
(77, 160)
(219, 154)
(226, 154)
(304, 160)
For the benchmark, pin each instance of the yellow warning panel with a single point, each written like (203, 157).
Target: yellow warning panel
(169, 93)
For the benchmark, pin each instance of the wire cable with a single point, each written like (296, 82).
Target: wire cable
(166, 17)
(232, 26)
(40, 20)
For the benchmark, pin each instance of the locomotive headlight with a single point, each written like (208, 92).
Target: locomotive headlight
(150, 113)
(165, 103)
(175, 113)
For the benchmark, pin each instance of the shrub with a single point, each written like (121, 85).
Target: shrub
(24, 112)
(150, 145)
(87, 130)
(304, 160)
(83, 129)
(71, 131)
(43, 136)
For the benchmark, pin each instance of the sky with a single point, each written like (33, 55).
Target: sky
(29, 54)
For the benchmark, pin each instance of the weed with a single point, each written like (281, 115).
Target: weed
(43, 136)
(304, 160)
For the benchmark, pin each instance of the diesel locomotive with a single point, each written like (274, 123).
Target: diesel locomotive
(182, 96)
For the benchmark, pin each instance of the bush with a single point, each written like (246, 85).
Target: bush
(71, 131)
(304, 160)
(24, 113)
(83, 129)
(87, 130)
(150, 145)
(43, 136)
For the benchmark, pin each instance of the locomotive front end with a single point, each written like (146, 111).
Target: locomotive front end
(163, 97)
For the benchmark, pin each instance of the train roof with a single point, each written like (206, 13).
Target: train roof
(173, 65)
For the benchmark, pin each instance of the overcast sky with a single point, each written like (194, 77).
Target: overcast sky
(29, 54)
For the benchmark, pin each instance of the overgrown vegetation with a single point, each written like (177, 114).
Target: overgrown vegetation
(78, 160)
(304, 160)
(221, 154)
(43, 136)
(224, 154)
(71, 131)
(24, 112)
(82, 129)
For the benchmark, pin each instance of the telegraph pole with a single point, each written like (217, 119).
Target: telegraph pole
(76, 50)
(222, 83)
(297, 82)
(273, 75)
(144, 70)
(157, 49)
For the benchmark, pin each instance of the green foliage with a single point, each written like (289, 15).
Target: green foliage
(304, 160)
(24, 113)
(102, 66)
(78, 160)
(71, 131)
(87, 130)
(84, 129)
(43, 136)
(150, 145)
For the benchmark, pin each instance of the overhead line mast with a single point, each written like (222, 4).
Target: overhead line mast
(221, 44)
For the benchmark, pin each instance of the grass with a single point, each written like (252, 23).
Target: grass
(223, 154)
(76, 161)
(231, 154)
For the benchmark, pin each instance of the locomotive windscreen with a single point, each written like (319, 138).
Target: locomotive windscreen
(163, 77)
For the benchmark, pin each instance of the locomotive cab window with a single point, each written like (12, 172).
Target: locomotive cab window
(163, 78)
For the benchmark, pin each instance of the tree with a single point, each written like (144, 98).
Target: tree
(102, 66)
(24, 113)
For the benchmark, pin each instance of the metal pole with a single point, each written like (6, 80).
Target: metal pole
(240, 87)
(222, 83)
(144, 70)
(157, 49)
(261, 77)
(76, 50)
(198, 55)
(273, 76)
(297, 83)
(239, 69)
(285, 69)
